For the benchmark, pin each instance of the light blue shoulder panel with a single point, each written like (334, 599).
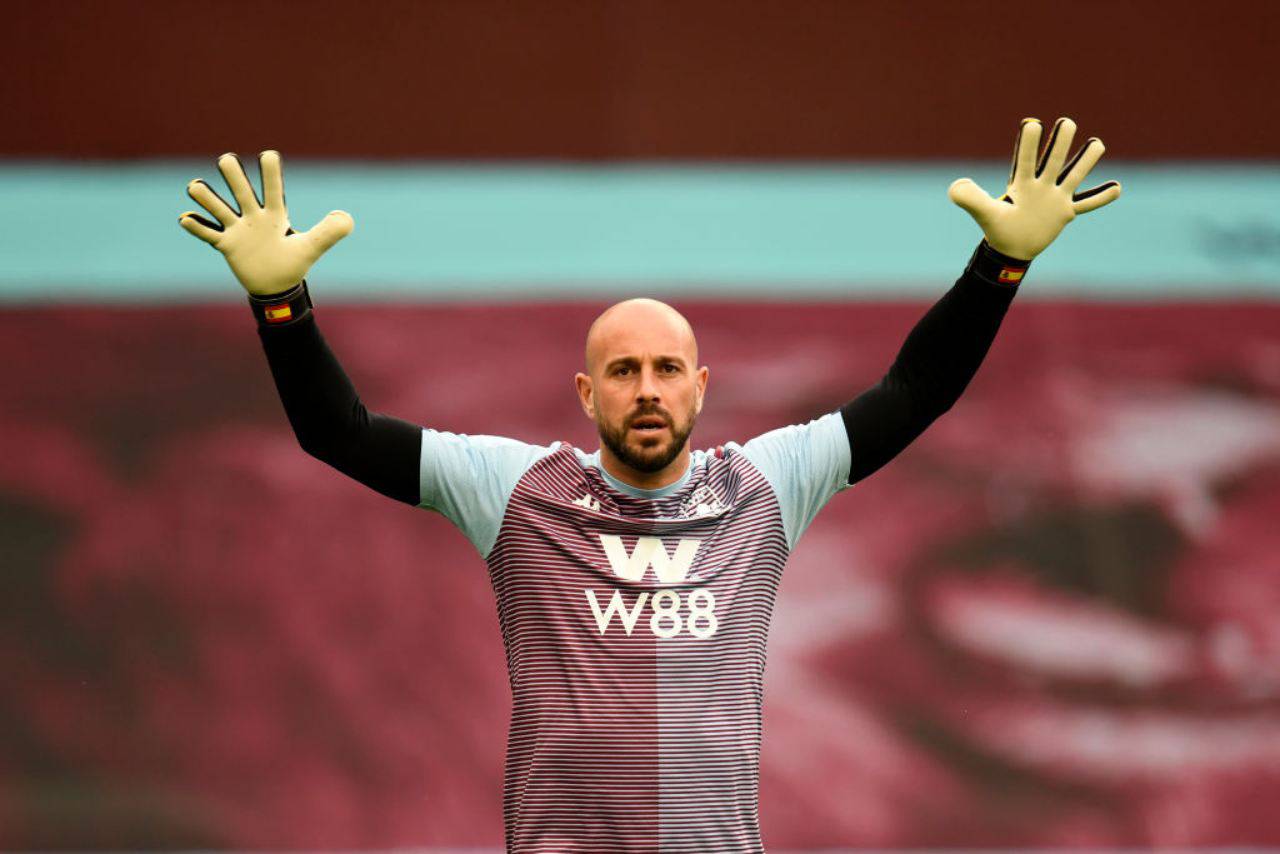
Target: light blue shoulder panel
(806, 464)
(469, 479)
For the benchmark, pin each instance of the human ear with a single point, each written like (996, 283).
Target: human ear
(585, 394)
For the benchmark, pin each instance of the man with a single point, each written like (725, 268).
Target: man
(635, 583)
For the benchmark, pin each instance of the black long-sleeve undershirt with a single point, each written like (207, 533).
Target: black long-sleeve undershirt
(934, 366)
(329, 419)
(941, 355)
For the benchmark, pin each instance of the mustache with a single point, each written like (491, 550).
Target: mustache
(650, 413)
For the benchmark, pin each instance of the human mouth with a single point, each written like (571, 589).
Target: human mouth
(648, 424)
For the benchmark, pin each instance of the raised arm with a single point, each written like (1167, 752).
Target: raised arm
(271, 260)
(935, 364)
(944, 349)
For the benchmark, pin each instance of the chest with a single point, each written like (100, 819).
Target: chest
(595, 572)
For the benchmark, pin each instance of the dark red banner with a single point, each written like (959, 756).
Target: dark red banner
(1051, 622)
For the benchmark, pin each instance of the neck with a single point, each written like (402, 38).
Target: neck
(645, 479)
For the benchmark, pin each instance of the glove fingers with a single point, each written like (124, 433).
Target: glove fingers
(233, 171)
(1082, 164)
(272, 180)
(1055, 151)
(1025, 148)
(209, 199)
(328, 231)
(1090, 200)
(968, 195)
(200, 227)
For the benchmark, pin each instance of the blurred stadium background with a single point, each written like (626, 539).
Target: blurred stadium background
(1053, 622)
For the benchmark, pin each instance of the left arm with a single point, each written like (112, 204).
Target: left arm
(939, 358)
(942, 353)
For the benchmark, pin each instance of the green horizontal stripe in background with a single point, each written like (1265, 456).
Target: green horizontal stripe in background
(109, 232)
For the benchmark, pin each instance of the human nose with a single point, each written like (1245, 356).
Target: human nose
(648, 388)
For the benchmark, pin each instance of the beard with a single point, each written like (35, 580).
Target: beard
(647, 459)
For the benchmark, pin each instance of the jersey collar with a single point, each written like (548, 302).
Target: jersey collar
(637, 492)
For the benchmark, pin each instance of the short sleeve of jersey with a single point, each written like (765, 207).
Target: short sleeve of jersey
(468, 479)
(806, 464)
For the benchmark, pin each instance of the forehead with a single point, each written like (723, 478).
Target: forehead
(638, 339)
(641, 335)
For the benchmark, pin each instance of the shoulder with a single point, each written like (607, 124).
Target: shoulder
(483, 443)
(482, 448)
(483, 461)
(806, 464)
(826, 430)
(800, 458)
(470, 478)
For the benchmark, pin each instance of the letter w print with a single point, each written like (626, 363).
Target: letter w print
(649, 551)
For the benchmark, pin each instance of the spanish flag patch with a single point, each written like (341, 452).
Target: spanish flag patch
(280, 312)
(1010, 275)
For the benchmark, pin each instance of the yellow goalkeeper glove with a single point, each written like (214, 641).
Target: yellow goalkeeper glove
(266, 255)
(1041, 198)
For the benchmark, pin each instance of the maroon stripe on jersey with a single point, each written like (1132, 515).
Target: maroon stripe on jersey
(635, 633)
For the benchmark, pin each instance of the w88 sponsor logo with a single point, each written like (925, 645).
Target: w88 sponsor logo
(668, 619)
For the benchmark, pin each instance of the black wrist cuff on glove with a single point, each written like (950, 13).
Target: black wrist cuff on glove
(995, 267)
(283, 308)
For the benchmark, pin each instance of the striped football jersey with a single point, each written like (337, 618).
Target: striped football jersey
(635, 624)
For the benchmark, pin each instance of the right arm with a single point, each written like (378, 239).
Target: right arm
(467, 479)
(271, 261)
(331, 422)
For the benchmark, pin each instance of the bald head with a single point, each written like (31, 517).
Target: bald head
(644, 390)
(639, 326)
